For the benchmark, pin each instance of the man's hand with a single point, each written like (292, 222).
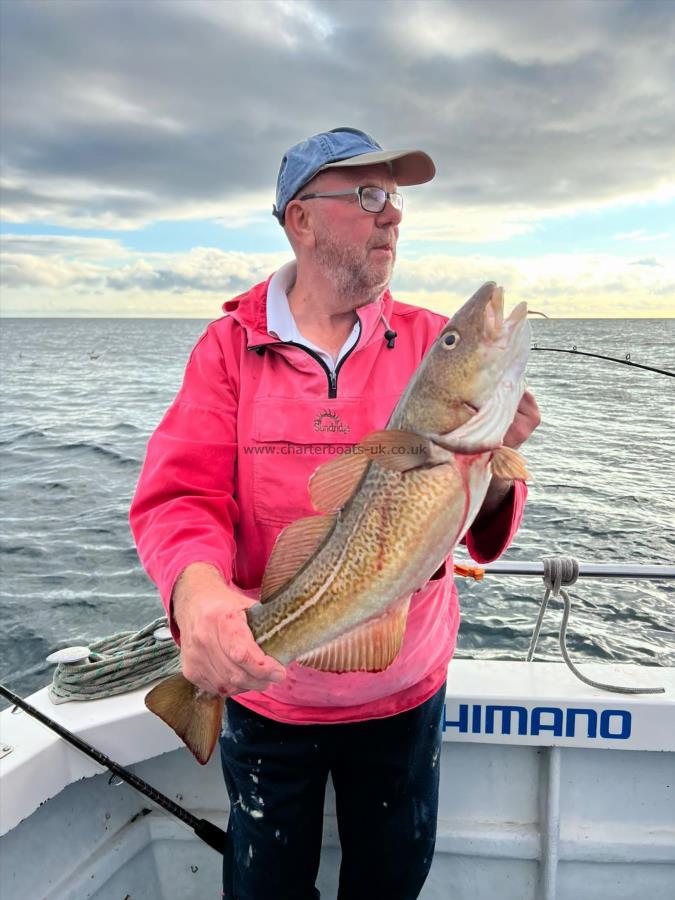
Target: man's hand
(527, 418)
(218, 651)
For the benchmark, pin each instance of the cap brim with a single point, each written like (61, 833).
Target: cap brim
(408, 166)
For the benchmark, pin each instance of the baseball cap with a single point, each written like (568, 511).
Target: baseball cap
(344, 147)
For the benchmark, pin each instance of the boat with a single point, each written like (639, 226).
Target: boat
(551, 789)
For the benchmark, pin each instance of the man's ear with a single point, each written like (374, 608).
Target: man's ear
(299, 225)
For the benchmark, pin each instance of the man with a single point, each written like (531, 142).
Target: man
(315, 357)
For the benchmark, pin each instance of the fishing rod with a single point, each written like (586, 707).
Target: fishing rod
(203, 829)
(627, 361)
(586, 570)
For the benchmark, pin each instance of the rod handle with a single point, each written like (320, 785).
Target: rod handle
(212, 835)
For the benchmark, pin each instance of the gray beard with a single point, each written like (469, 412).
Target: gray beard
(349, 274)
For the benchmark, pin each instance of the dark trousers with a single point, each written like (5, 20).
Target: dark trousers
(385, 773)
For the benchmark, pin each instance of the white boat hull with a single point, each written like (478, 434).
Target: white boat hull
(549, 813)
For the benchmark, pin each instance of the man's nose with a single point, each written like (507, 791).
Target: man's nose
(389, 215)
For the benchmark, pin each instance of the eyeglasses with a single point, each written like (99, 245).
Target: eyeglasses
(372, 199)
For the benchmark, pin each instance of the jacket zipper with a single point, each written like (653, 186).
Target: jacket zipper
(341, 363)
(331, 376)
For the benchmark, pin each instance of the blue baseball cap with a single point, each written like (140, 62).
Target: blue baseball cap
(344, 147)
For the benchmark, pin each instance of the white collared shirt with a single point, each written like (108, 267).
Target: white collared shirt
(280, 321)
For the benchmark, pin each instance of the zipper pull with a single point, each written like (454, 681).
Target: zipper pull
(333, 384)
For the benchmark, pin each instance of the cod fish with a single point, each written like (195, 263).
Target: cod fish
(337, 586)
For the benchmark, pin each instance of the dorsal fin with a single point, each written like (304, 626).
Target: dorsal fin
(293, 547)
(370, 647)
(333, 483)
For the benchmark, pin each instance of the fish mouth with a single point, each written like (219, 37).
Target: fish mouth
(508, 342)
(494, 313)
(496, 327)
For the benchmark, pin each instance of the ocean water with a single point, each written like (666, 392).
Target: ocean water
(80, 398)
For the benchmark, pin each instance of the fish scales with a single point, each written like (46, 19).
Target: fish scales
(391, 536)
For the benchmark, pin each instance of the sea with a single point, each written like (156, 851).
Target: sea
(80, 398)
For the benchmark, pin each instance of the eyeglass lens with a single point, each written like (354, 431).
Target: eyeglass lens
(373, 199)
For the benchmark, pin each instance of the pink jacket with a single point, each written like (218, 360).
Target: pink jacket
(228, 467)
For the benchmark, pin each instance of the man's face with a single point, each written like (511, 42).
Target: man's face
(355, 249)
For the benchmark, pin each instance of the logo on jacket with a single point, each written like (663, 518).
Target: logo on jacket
(330, 421)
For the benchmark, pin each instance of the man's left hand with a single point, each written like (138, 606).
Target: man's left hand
(527, 418)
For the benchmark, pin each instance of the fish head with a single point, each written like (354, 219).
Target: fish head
(472, 378)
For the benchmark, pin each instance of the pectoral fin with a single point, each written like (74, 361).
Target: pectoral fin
(194, 716)
(293, 547)
(333, 483)
(508, 463)
(370, 647)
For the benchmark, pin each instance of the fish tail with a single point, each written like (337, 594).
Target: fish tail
(196, 717)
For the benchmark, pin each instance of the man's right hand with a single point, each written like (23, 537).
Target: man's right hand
(218, 651)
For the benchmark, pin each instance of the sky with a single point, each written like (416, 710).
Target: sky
(140, 142)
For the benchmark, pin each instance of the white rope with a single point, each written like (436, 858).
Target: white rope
(559, 571)
(117, 664)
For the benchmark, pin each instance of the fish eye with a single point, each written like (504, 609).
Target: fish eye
(451, 339)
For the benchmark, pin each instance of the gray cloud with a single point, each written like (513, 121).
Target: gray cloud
(647, 261)
(123, 112)
(40, 245)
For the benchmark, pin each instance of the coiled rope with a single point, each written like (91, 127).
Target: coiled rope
(559, 571)
(117, 664)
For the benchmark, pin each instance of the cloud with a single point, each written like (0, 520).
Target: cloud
(647, 261)
(116, 114)
(557, 284)
(57, 262)
(38, 279)
(62, 245)
(440, 222)
(200, 270)
(642, 236)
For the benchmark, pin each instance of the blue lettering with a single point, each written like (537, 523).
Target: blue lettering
(615, 724)
(462, 723)
(555, 726)
(476, 718)
(506, 711)
(625, 719)
(570, 724)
